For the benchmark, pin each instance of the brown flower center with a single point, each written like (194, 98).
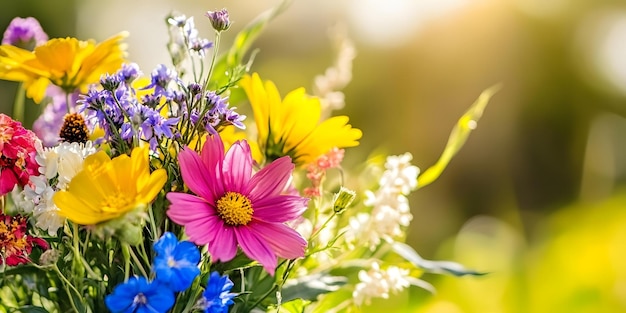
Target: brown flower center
(74, 129)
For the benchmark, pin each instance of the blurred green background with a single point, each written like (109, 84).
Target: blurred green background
(536, 197)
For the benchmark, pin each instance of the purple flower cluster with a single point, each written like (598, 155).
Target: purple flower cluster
(166, 112)
(216, 114)
(124, 118)
(190, 38)
(25, 33)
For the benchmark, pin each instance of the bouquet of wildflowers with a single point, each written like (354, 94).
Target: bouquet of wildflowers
(152, 192)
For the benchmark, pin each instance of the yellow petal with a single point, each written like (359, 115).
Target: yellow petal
(57, 55)
(153, 186)
(75, 209)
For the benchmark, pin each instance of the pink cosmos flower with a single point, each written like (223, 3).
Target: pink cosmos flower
(17, 154)
(234, 207)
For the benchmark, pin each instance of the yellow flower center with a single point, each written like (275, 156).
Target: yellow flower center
(235, 209)
(171, 262)
(115, 202)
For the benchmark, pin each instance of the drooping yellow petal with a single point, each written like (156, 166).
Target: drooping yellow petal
(66, 62)
(301, 115)
(333, 132)
(260, 103)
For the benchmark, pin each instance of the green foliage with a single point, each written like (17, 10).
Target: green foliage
(458, 136)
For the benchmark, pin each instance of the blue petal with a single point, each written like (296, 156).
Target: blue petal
(123, 296)
(187, 251)
(165, 245)
(162, 300)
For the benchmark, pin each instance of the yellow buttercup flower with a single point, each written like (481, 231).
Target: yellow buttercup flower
(108, 188)
(66, 62)
(292, 126)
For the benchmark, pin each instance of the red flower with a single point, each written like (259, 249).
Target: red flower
(17, 154)
(15, 244)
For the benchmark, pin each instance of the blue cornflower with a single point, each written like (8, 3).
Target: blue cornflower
(217, 297)
(137, 295)
(176, 263)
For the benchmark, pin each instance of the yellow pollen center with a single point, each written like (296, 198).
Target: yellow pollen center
(115, 202)
(234, 209)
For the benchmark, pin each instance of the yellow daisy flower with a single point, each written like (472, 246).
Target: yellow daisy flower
(292, 126)
(66, 62)
(108, 188)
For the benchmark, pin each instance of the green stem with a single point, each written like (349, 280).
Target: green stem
(18, 104)
(139, 265)
(215, 50)
(317, 232)
(126, 254)
(68, 287)
(67, 103)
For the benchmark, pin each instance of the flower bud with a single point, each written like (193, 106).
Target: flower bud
(219, 19)
(343, 199)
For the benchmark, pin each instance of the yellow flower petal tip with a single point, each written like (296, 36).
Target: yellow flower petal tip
(68, 63)
(292, 126)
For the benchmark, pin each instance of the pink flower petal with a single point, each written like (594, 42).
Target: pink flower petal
(203, 231)
(282, 239)
(256, 248)
(279, 209)
(197, 216)
(213, 154)
(196, 175)
(270, 180)
(186, 207)
(237, 167)
(224, 245)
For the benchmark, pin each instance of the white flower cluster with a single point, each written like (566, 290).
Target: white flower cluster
(378, 283)
(57, 167)
(390, 205)
(327, 87)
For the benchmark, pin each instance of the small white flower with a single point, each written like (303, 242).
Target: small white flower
(377, 283)
(60, 163)
(361, 231)
(400, 174)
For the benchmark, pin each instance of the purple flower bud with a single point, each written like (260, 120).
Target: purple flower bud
(129, 72)
(219, 19)
(25, 33)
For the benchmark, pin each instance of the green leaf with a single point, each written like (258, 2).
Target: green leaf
(311, 286)
(31, 309)
(436, 267)
(293, 306)
(458, 136)
(334, 301)
(249, 34)
(242, 44)
(21, 270)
